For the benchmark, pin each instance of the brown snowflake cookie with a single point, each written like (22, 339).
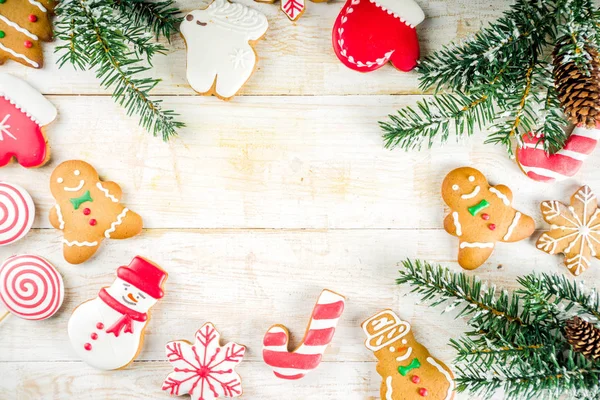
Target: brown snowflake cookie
(481, 215)
(575, 230)
(24, 24)
(88, 210)
(408, 371)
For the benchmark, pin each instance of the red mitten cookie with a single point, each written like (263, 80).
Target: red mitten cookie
(23, 114)
(88, 210)
(368, 33)
(481, 215)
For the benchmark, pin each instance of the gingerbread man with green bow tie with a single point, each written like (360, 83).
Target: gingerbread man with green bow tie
(88, 210)
(481, 215)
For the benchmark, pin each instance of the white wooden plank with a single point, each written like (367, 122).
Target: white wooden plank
(245, 281)
(275, 162)
(294, 58)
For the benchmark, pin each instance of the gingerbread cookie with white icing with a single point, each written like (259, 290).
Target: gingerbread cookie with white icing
(88, 210)
(408, 370)
(481, 215)
(24, 25)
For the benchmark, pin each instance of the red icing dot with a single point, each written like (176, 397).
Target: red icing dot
(93, 222)
(33, 18)
(28, 44)
(492, 227)
(94, 336)
(87, 346)
(423, 392)
(415, 379)
(86, 211)
(485, 216)
(100, 325)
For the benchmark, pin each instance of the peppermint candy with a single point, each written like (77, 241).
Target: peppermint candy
(17, 212)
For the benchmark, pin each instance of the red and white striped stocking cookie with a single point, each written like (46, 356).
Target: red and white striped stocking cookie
(321, 328)
(542, 167)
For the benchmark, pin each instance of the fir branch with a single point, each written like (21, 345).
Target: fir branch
(487, 352)
(476, 61)
(578, 33)
(480, 305)
(434, 117)
(163, 17)
(552, 120)
(96, 39)
(552, 295)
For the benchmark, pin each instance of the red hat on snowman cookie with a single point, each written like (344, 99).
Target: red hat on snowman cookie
(369, 33)
(23, 113)
(144, 275)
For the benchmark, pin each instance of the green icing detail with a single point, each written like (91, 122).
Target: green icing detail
(77, 201)
(2, 34)
(478, 207)
(2, 1)
(414, 364)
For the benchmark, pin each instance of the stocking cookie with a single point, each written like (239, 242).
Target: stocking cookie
(219, 40)
(481, 215)
(88, 210)
(575, 230)
(24, 24)
(408, 371)
(23, 114)
(369, 33)
(107, 332)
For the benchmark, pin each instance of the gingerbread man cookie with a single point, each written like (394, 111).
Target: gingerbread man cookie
(88, 210)
(408, 371)
(481, 215)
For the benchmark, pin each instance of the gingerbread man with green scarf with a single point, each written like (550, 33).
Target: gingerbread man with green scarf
(88, 210)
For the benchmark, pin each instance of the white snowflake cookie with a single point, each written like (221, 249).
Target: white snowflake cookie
(219, 39)
(205, 369)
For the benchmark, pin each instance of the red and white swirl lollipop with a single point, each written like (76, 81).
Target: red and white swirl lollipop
(17, 212)
(30, 287)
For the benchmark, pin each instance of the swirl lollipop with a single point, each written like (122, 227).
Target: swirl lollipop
(16, 213)
(30, 287)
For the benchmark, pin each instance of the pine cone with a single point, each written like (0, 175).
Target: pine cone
(578, 93)
(584, 337)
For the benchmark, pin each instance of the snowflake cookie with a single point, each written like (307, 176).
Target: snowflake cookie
(204, 370)
(575, 230)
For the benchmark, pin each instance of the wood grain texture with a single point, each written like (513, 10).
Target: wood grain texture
(261, 203)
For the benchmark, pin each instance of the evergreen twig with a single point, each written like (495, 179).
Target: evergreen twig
(97, 36)
(507, 63)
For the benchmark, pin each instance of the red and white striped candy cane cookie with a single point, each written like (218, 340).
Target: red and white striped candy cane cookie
(562, 165)
(321, 328)
(17, 212)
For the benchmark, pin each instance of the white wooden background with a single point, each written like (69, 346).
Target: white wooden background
(258, 205)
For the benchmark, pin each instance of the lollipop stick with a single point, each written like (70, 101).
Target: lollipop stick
(3, 315)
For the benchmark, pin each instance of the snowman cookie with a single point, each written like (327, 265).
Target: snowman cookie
(107, 332)
(408, 371)
(88, 210)
(481, 215)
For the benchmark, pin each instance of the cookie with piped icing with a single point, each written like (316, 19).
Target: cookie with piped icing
(88, 210)
(481, 215)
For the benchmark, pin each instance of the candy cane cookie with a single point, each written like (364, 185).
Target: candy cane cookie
(321, 328)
